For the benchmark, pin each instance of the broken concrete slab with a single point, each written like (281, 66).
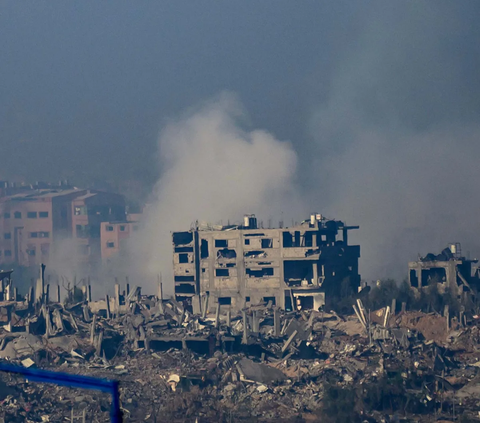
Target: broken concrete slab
(249, 370)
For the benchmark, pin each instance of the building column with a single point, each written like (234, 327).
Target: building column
(315, 273)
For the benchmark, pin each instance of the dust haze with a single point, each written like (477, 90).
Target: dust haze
(367, 112)
(397, 139)
(213, 170)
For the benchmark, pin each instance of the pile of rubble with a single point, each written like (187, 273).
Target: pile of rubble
(175, 363)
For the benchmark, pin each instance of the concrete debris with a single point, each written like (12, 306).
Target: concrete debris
(258, 364)
(251, 371)
(28, 362)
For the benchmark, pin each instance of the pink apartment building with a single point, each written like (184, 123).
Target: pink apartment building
(114, 235)
(32, 221)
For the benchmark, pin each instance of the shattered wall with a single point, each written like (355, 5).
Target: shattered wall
(293, 268)
(448, 269)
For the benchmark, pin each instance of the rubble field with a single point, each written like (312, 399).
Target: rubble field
(261, 365)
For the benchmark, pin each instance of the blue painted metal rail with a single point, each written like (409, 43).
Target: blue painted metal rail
(75, 381)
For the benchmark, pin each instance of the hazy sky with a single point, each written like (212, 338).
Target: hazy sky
(379, 99)
(85, 86)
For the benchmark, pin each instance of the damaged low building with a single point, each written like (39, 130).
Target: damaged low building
(449, 269)
(299, 267)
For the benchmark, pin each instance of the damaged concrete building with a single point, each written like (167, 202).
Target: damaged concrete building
(299, 267)
(448, 269)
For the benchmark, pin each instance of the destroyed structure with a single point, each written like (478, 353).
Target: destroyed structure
(449, 269)
(260, 365)
(299, 267)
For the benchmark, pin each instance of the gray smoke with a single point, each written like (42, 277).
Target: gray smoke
(397, 140)
(378, 99)
(212, 170)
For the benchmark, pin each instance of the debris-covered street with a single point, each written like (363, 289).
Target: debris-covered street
(235, 212)
(261, 364)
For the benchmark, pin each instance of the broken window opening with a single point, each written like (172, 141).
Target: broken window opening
(255, 254)
(110, 244)
(268, 299)
(288, 301)
(413, 278)
(204, 249)
(267, 243)
(183, 249)
(226, 253)
(222, 272)
(231, 264)
(225, 300)
(184, 278)
(185, 288)
(304, 302)
(264, 263)
(291, 240)
(247, 299)
(258, 234)
(259, 273)
(247, 242)
(221, 243)
(287, 240)
(438, 275)
(80, 211)
(203, 269)
(424, 277)
(183, 258)
(297, 239)
(297, 271)
(434, 275)
(182, 238)
(31, 215)
(307, 239)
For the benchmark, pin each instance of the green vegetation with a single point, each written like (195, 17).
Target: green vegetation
(429, 299)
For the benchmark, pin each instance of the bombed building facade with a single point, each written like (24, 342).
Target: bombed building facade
(449, 269)
(299, 267)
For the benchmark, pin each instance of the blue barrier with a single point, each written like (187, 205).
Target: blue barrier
(75, 381)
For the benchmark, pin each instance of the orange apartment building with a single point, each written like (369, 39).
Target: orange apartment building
(89, 211)
(31, 221)
(114, 234)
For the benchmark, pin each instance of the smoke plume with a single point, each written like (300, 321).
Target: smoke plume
(212, 170)
(396, 139)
